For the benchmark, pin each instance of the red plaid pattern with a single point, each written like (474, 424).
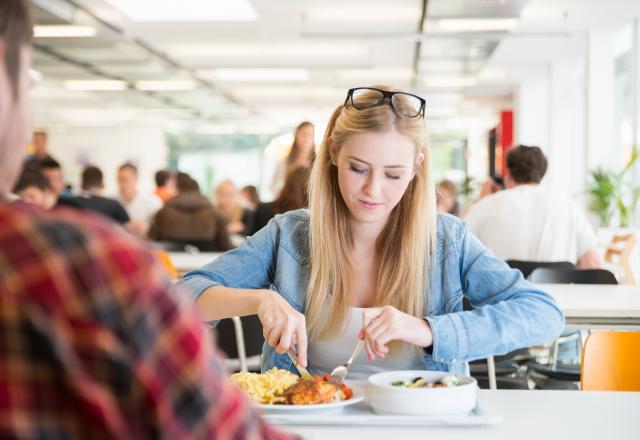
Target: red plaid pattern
(95, 344)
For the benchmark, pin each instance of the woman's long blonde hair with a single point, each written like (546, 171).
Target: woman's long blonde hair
(405, 246)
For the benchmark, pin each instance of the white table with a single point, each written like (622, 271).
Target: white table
(598, 305)
(526, 415)
(184, 261)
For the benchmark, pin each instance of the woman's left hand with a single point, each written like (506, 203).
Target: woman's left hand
(381, 325)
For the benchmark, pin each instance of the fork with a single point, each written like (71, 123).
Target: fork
(340, 372)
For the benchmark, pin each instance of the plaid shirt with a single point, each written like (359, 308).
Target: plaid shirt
(94, 343)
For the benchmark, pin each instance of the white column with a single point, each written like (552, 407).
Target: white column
(567, 163)
(600, 75)
(532, 113)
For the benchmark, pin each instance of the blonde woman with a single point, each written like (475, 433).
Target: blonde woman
(372, 259)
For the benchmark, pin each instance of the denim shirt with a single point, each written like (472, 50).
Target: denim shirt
(508, 311)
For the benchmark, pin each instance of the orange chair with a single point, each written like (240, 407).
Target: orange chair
(610, 362)
(167, 263)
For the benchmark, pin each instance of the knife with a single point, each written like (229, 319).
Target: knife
(304, 373)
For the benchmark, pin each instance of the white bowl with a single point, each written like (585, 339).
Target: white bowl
(387, 399)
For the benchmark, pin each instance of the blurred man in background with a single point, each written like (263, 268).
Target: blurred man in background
(94, 341)
(531, 223)
(165, 185)
(140, 207)
(91, 197)
(33, 187)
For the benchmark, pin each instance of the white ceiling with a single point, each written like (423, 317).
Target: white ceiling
(333, 44)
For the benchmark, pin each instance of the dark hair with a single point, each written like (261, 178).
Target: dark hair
(16, 30)
(294, 193)
(48, 163)
(252, 191)
(295, 148)
(129, 166)
(91, 178)
(162, 176)
(29, 178)
(526, 164)
(185, 183)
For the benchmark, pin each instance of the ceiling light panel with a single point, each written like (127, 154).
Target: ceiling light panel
(95, 85)
(276, 55)
(63, 31)
(186, 10)
(260, 74)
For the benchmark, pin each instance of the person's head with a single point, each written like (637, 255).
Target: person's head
(250, 195)
(372, 171)
(52, 170)
(294, 194)
(16, 32)
(525, 165)
(185, 184)
(128, 180)
(303, 147)
(92, 179)
(33, 187)
(226, 196)
(447, 196)
(40, 143)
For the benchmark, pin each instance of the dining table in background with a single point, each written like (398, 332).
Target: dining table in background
(596, 306)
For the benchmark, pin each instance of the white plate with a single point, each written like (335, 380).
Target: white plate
(357, 397)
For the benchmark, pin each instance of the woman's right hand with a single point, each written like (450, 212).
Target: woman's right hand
(282, 325)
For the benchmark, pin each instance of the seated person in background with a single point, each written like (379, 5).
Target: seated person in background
(293, 196)
(190, 218)
(91, 197)
(372, 260)
(228, 204)
(140, 207)
(250, 197)
(165, 185)
(34, 188)
(532, 223)
(447, 197)
(94, 341)
(52, 170)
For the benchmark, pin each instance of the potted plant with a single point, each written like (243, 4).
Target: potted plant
(610, 194)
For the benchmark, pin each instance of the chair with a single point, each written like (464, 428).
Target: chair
(241, 340)
(610, 362)
(572, 276)
(557, 375)
(619, 253)
(526, 267)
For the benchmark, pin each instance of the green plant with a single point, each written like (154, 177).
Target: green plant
(466, 188)
(609, 192)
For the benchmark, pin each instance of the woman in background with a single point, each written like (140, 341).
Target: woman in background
(302, 154)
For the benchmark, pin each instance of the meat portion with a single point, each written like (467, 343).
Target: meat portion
(307, 392)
